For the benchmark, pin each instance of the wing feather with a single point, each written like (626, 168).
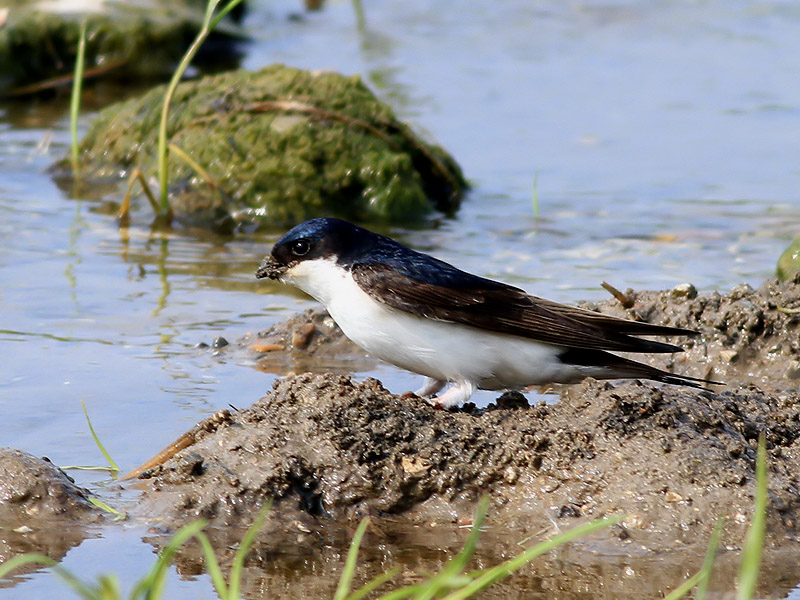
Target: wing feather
(493, 306)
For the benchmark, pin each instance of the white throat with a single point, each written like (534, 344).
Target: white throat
(321, 278)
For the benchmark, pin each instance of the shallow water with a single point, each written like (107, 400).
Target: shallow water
(660, 139)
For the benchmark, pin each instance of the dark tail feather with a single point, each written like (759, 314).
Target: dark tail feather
(619, 325)
(611, 366)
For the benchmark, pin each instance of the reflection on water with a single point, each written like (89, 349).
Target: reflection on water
(664, 137)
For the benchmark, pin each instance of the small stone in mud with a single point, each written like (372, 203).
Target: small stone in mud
(219, 342)
(414, 464)
(264, 348)
(684, 290)
(301, 335)
(510, 475)
(512, 400)
(793, 372)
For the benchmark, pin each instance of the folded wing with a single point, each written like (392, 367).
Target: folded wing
(460, 297)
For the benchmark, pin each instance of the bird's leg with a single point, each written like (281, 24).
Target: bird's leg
(459, 393)
(430, 387)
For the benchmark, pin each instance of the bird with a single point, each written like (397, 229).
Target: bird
(428, 317)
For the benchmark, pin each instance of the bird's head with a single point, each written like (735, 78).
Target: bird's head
(323, 239)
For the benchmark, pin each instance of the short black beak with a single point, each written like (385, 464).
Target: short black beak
(270, 268)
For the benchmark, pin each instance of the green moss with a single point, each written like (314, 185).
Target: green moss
(135, 41)
(280, 145)
(789, 261)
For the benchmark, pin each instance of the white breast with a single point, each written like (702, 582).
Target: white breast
(442, 350)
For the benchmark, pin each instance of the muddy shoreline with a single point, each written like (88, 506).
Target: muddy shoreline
(328, 450)
(673, 459)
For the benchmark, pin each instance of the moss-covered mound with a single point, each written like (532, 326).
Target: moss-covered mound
(276, 147)
(789, 261)
(125, 40)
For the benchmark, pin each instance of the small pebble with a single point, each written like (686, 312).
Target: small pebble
(264, 348)
(684, 290)
(512, 400)
(219, 342)
(301, 335)
(793, 372)
(510, 475)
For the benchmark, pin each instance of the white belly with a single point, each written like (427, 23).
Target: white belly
(442, 350)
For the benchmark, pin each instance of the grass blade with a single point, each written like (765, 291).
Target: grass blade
(685, 587)
(247, 541)
(118, 516)
(97, 441)
(212, 566)
(221, 14)
(455, 567)
(75, 100)
(208, 25)
(491, 576)
(708, 561)
(754, 542)
(701, 578)
(374, 584)
(31, 558)
(343, 589)
(151, 586)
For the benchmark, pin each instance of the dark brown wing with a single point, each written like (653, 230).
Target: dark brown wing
(492, 306)
(619, 325)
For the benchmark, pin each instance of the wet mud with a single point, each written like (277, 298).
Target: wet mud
(309, 342)
(328, 448)
(41, 508)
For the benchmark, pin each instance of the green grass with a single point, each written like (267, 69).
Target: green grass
(75, 100)
(112, 466)
(754, 542)
(210, 21)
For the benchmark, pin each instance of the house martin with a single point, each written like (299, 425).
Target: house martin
(426, 316)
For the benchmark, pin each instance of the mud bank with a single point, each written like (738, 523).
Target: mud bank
(327, 448)
(41, 508)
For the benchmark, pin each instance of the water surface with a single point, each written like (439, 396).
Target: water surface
(660, 139)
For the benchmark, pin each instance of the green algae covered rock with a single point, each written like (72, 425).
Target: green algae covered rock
(789, 261)
(276, 147)
(39, 41)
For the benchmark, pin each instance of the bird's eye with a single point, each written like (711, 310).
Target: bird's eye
(300, 247)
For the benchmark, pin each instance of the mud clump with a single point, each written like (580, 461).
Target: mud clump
(747, 336)
(307, 342)
(671, 459)
(41, 508)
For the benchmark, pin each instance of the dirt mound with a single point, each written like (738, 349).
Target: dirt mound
(746, 336)
(672, 459)
(41, 508)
